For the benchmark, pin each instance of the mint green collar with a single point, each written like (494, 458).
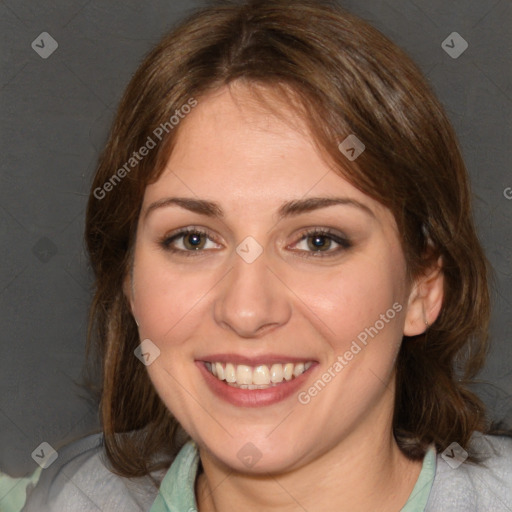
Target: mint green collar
(13, 491)
(177, 490)
(418, 498)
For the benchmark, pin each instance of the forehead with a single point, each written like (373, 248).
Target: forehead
(245, 149)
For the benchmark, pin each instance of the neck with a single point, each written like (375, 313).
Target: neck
(366, 471)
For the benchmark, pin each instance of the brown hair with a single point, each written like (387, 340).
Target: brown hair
(343, 77)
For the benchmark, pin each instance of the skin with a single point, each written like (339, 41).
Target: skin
(337, 452)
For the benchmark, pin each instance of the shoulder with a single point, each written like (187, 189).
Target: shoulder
(79, 481)
(475, 487)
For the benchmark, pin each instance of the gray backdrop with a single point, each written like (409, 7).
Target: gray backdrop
(56, 111)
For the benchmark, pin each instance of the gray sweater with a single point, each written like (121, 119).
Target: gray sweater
(79, 481)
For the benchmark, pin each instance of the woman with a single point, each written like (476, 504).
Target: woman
(291, 298)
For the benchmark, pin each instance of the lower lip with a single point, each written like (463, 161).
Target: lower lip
(253, 397)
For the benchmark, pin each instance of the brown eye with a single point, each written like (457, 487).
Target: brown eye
(194, 241)
(319, 243)
(188, 242)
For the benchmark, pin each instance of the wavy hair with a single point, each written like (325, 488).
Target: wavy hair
(343, 77)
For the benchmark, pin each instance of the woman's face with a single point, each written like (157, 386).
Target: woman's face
(267, 298)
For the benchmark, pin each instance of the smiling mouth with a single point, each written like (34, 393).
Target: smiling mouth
(256, 377)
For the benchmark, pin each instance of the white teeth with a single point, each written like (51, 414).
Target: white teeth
(229, 373)
(298, 370)
(219, 371)
(276, 373)
(243, 374)
(259, 377)
(288, 371)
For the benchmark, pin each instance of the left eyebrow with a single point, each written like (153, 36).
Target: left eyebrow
(298, 206)
(287, 209)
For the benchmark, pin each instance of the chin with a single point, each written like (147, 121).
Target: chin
(257, 453)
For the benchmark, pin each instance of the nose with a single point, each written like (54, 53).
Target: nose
(252, 300)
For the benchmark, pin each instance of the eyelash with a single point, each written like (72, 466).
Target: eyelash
(344, 243)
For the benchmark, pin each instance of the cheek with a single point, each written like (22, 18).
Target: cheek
(355, 301)
(166, 301)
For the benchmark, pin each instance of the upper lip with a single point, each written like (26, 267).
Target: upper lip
(255, 360)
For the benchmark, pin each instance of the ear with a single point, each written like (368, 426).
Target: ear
(425, 301)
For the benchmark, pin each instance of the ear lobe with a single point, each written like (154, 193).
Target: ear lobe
(425, 301)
